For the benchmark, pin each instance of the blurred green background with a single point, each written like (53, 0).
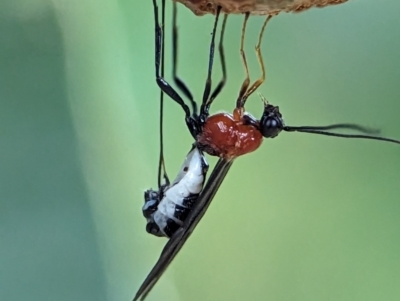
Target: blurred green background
(304, 218)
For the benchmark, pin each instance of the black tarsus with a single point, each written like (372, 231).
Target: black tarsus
(179, 83)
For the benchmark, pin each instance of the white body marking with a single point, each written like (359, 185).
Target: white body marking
(189, 182)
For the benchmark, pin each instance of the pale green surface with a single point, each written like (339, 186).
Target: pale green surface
(304, 218)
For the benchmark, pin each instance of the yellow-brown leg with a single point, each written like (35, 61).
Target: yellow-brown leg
(259, 81)
(246, 81)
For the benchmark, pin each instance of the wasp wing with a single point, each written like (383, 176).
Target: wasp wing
(179, 238)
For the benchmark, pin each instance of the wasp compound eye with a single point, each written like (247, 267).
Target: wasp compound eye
(271, 123)
(270, 127)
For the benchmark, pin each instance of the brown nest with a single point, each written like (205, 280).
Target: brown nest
(255, 7)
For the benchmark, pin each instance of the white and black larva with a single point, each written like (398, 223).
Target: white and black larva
(167, 208)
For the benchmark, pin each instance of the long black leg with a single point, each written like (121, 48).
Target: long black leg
(162, 172)
(179, 83)
(207, 87)
(222, 82)
(162, 83)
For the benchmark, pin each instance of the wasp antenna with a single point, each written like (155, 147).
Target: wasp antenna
(343, 126)
(320, 132)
